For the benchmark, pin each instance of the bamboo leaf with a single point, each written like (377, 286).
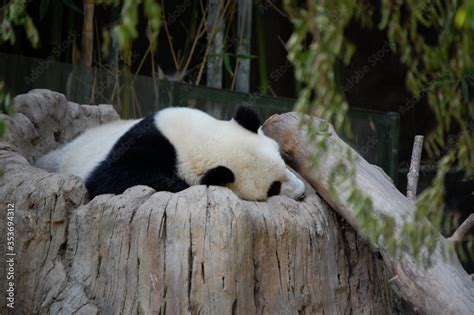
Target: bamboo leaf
(227, 65)
(31, 31)
(460, 17)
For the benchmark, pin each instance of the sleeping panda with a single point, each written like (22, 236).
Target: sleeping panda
(175, 148)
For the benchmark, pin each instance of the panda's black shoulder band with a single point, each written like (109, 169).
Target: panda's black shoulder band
(247, 118)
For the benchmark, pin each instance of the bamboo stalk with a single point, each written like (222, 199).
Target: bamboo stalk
(87, 44)
(244, 27)
(216, 44)
(463, 229)
(262, 54)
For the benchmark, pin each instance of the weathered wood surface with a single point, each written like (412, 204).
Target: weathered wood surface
(202, 250)
(443, 288)
(412, 176)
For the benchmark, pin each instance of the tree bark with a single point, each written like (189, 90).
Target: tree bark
(460, 234)
(443, 288)
(412, 176)
(202, 250)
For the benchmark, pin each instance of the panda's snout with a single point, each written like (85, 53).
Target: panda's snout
(293, 187)
(301, 197)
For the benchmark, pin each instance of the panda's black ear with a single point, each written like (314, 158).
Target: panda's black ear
(218, 176)
(247, 118)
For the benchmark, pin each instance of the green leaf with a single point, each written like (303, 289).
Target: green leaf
(72, 5)
(31, 31)
(460, 17)
(44, 5)
(227, 65)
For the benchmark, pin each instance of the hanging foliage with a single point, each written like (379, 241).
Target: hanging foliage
(14, 14)
(126, 30)
(442, 71)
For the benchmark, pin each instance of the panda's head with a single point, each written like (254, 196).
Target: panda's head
(249, 163)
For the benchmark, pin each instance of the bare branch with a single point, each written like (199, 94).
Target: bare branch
(463, 229)
(412, 176)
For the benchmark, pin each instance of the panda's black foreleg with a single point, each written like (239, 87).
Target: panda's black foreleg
(142, 156)
(173, 184)
(115, 180)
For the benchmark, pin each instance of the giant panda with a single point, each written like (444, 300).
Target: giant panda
(175, 148)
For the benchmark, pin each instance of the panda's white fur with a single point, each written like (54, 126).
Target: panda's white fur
(253, 157)
(201, 143)
(84, 153)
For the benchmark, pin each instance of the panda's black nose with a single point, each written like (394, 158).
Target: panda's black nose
(300, 197)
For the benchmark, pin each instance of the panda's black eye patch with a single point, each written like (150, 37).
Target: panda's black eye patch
(218, 176)
(274, 189)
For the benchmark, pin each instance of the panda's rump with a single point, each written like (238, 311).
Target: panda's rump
(83, 154)
(52, 160)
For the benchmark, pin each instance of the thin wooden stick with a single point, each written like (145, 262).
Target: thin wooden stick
(168, 37)
(463, 229)
(211, 38)
(412, 176)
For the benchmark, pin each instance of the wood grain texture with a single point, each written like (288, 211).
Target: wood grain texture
(202, 250)
(443, 288)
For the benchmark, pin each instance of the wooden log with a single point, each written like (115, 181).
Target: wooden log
(461, 232)
(442, 288)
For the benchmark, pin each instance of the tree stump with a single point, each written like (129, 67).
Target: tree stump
(202, 250)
